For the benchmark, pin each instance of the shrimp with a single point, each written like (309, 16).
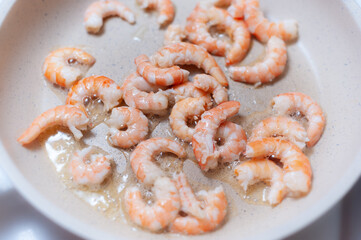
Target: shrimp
(268, 69)
(174, 33)
(237, 30)
(283, 127)
(161, 213)
(88, 167)
(208, 83)
(140, 94)
(263, 29)
(287, 103)
(65, 66)
(93, 19)
(160, 76)
(235, 141)
(102, 87)
(296, 166)
(205, 214)
(165, 8)
(257, 170)
(134, 120)
(189, 108)
(141, 158)
(186, 90)
(236, 9)
(204, 144)
(65, 115)
(187, 53)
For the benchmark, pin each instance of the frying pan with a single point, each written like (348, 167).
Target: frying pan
(323, 63)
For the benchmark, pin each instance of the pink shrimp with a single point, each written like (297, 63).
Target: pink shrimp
(160, 76)
(258, 170)
(235, 7)
(174, 33)
(209, 84)
(165, 8)
(140, 94)
(268, 69)
(263, 29)
(186, 90)
(186, 53)
(296, 166)
(65, 115)
(204, 144)
(65, 66)
(183, 111)
(161, 213)
(89, 167)
(288, 103)
(93, 19)
(205, 214)
(281, 127)
(134, 120)
(102, 87)
(141, 158)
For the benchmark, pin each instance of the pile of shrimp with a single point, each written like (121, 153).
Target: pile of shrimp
(159, 86)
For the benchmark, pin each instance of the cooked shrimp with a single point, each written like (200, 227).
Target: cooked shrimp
(161, 213)
(65, 66)
(187, 53)
(183, 111)
(140, 94)
(102, 87)
(88, 167)
(186, 90)
(160, 76)
(65, 115)
(141, 158)
(165, 8)
(235, 140)
(209, 84)
(258, 170)
(287, 103)
(134, 120)
(296, 166)
(197, 29)
(283, 127)
(204, 144)
(205, 214)
(174, 33)
(268, 69)
(237, 30)
(96, 11)
(263, 29)
(236, 9)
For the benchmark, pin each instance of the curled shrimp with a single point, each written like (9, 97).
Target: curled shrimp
(263, 29)
(235, 140)
(165, 8)
(102, 87)
(88, 167)
(174, 34)
(268, 69)
(235, 7)
(258, 170)
(209, 84)
(65, 66)
(187, 53)
(206, 211)
(288, 103)
(160, 76)
(135, 122)
(161, 213)
(204, 144)
(140, 94)
(283, 127)
(65, 115)
(93, 19)
(188, 90)
(141, 158)
(296, 166)
(189, 108)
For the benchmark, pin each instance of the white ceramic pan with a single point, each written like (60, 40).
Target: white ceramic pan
(324, 63)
